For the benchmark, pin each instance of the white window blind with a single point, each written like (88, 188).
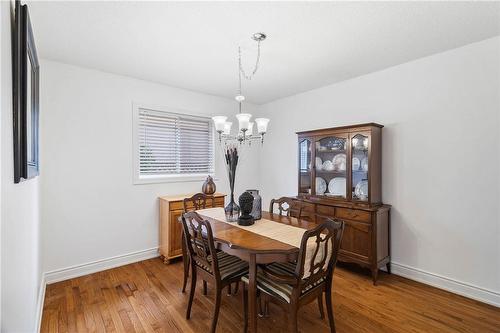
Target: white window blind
(173, 144)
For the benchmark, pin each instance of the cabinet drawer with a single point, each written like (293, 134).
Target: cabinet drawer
(325, 210)
(353, 214)
(176, 205)
(219, 202)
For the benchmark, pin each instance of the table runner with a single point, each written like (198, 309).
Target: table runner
(278, 231)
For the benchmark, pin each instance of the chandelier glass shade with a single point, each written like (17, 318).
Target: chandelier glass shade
(243, 121)
(219, 123)
(261, 125)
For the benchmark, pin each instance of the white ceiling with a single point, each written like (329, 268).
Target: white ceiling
(193, 45)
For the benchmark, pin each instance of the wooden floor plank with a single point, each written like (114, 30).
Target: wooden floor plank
(146, 297)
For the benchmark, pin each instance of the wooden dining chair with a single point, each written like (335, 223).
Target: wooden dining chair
(291, 285)
(286, 206)
(197, 201)
(216, 266)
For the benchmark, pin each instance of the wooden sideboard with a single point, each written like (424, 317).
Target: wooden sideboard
(171, 208)
(366, 233)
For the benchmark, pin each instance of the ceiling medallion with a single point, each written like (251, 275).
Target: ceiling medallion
(245, 132)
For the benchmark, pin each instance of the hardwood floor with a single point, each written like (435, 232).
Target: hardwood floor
(146, 297)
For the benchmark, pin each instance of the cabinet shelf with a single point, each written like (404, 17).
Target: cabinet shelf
(343, 173)
(338, 151)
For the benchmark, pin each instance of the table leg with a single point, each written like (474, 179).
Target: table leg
(252, 293)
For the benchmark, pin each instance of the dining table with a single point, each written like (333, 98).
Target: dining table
(273, 238)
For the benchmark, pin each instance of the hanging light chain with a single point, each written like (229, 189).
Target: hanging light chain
(239, 80)
(258, 37)
(257, 61)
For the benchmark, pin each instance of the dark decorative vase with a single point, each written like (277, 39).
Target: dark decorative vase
(232, 210)
(246, 204)
(208, 186)
(257, 204)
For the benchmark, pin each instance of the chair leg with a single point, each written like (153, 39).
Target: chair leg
(236, 288)
(320, 304)
(191, 292)
(204, 287)
(293, 318)
(186, 261)
(218, 297)
(263, 311)
(259, 301)
(229, 289)
(329, 309)
(245, 308)
(375, 275)
(266, 307)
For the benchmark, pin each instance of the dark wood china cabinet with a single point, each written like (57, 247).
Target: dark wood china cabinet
(340, 176)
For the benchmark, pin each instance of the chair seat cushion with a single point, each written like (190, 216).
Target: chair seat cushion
(229, 266)
(282, 290)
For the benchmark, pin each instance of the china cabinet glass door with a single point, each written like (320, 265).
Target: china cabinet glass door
(360, 167)
(305, 166)
(331, 167)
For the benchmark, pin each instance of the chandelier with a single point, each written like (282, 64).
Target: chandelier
(245, 132)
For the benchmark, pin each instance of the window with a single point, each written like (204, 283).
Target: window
(171, 146)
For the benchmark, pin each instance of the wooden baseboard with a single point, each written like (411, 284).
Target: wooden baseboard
(480, 294)
(99, 265)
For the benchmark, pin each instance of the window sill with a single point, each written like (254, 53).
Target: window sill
(172, 179)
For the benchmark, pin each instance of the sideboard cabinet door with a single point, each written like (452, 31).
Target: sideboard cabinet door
(175, 233)
(356, 241)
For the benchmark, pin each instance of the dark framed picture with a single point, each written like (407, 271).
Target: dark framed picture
(26, 98)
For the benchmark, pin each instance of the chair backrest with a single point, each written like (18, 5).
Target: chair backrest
(318, 252)
(200, 241)
(287, 206)
(199, 201)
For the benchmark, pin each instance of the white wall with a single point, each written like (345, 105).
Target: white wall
(440, 159)
(90, 208)
(1, 108)
(2, 10)
(20, 218)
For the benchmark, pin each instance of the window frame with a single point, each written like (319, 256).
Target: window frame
(166, 178)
